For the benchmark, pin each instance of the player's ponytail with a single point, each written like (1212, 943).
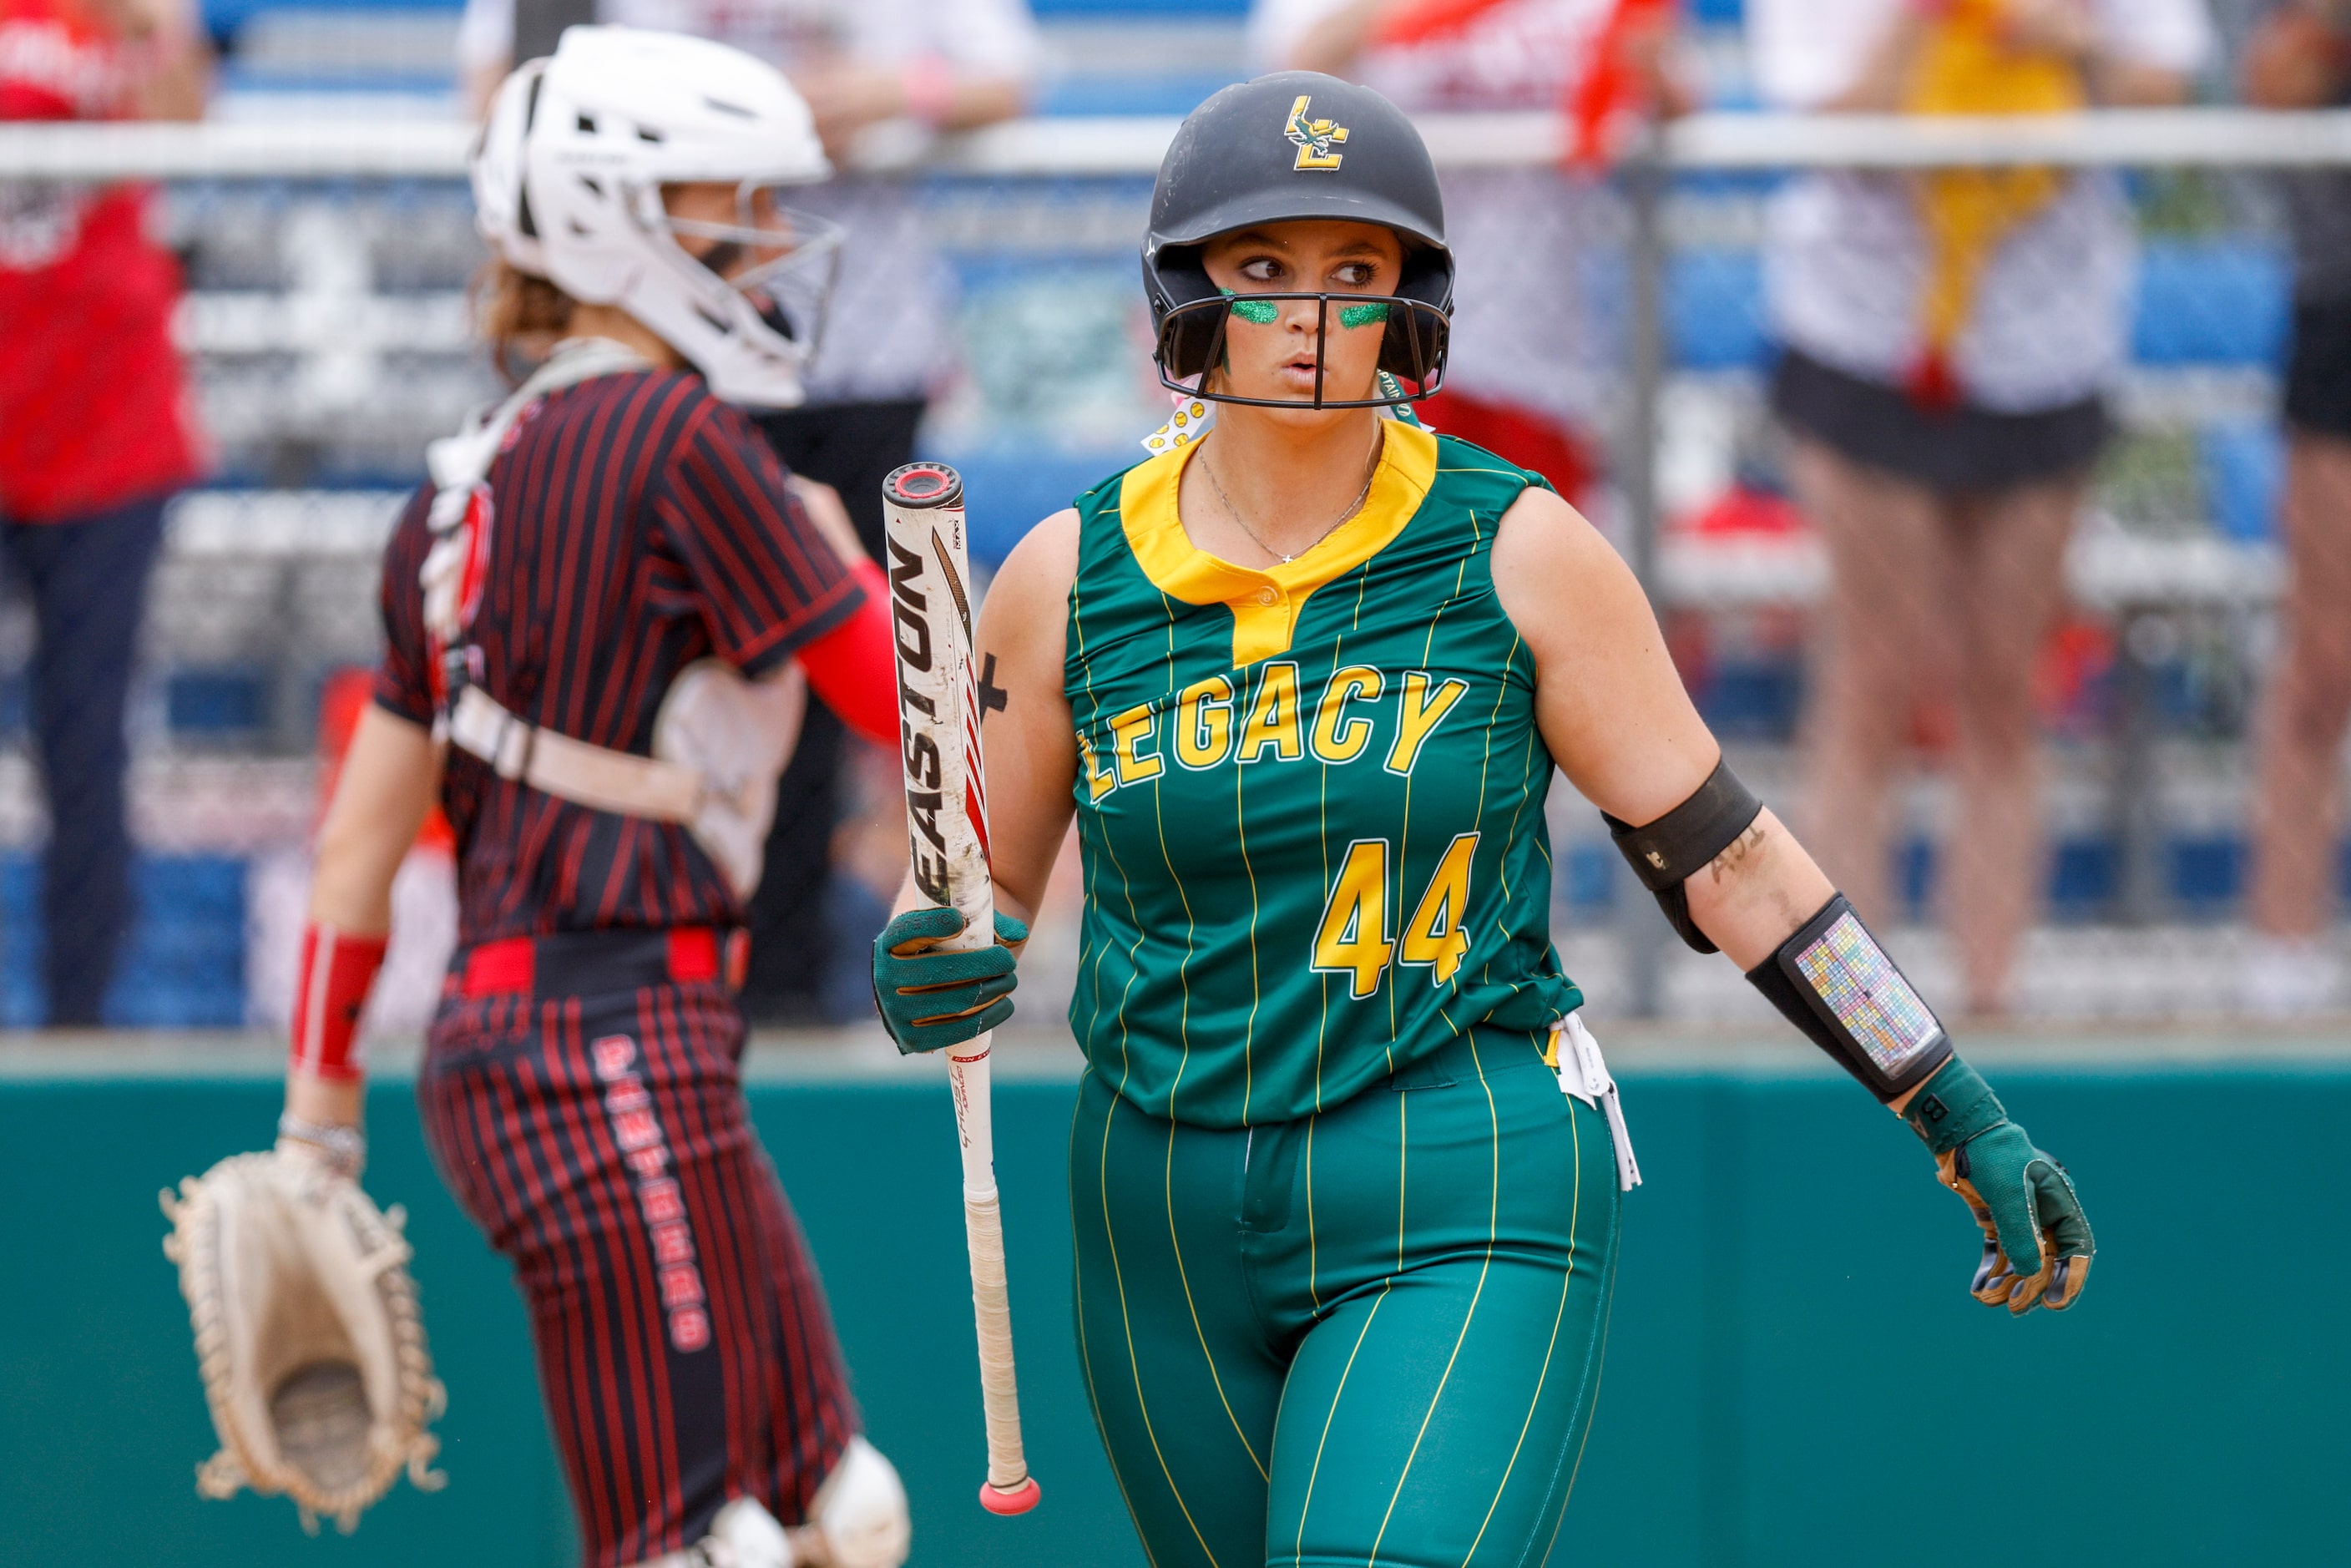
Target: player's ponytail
(519, 316)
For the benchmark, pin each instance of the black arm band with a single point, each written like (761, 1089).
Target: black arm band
(1664, 854)
(1832, 981)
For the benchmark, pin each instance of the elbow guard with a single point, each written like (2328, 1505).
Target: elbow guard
(1664, 854)
(1832, 981)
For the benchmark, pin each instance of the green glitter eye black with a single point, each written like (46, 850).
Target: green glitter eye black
(1195, 337)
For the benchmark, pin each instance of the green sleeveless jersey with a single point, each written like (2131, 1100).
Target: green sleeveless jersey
(1310, 798)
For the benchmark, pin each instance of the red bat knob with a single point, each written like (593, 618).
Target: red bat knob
(1019, 1499)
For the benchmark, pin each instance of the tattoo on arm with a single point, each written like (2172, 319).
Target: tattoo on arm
(992, 697)
(1734, 857)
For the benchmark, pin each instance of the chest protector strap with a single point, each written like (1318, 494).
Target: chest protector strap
(719, 741)
(462, 515)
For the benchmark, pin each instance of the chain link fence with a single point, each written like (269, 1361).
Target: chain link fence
(327, 328)
(2004, 676)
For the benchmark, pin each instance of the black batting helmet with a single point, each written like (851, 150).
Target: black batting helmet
(1296, 145)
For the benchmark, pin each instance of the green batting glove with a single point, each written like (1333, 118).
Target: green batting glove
(2037, 1243)
(928, 999)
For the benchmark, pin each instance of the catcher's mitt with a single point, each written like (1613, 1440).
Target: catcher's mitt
(308, 1334)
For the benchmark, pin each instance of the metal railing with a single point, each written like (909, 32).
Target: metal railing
(1105, 145)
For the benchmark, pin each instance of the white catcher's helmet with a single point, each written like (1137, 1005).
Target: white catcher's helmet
(568, 176)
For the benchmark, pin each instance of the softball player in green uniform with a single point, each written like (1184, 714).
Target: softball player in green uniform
(1344, 1245)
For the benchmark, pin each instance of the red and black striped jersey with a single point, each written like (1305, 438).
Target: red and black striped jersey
(638, 523)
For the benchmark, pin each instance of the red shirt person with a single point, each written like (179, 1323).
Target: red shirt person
(92, 400)
(95, 436)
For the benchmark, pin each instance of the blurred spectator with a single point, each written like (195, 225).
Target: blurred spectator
(943, 65)
(2300, 58)
(95, 436)
(1946, 341)
(1525, 371)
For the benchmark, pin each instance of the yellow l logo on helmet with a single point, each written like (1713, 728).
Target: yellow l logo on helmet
(1315, 138)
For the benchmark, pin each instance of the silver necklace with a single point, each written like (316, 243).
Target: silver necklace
(1371, 471)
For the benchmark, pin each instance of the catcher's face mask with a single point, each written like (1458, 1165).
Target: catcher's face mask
(1306, 316)
(785, 261)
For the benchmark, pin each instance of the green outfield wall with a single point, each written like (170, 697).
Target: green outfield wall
(1795, 1374)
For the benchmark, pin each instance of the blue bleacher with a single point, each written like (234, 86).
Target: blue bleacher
(1176, 94)
(1587, 876)
(208, 704)
(1714, 309)
(2200, 302)
(183, 965)
(216, 703)
(1751, 699)
(2212, 301)
(2244, 463)
(2204, 876)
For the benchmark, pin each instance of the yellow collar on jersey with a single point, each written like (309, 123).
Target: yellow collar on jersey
(1267, 601)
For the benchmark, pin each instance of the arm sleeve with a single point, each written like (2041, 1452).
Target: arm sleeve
(852, 668)
(767, 580)
(403, 679)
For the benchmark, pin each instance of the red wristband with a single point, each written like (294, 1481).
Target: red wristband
(330, 992)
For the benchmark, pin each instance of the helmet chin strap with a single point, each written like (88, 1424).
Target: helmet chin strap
(1195, 415)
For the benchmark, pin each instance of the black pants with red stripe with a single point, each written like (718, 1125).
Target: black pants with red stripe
(601, 1143)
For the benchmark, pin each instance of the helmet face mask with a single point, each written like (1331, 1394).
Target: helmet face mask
(1297, 147)
(1193, 352)
(782, 262)
(793, 293)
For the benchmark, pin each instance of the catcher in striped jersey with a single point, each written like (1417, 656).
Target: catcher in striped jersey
(603, 618)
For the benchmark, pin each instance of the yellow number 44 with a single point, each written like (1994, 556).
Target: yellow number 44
(1434, 935)
(1353, 938)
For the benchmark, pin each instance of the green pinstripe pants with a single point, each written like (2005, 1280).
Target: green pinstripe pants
(1369, 1336)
